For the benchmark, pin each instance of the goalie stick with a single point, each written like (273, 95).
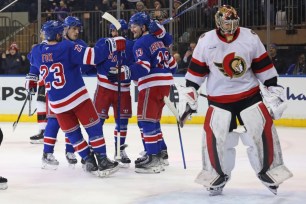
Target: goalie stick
(117, 25)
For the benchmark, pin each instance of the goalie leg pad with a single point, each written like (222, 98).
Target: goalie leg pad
(264, 150)
(218, 153)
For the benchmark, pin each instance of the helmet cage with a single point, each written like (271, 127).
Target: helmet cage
(227, 19)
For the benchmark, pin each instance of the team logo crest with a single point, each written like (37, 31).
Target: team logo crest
(232, 66)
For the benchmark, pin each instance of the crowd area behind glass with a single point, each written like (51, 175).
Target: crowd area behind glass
(288, 59)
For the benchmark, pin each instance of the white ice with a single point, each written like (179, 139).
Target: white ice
(20, 162)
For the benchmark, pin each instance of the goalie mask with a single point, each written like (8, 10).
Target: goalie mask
(227, 21)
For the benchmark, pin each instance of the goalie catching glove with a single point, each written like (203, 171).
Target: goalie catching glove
(31, 83)
(113, 74)
(275, 99)
(188, 103)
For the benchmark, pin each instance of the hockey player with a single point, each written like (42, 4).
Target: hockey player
(3, 181)
(107, 92)
(58, 64)
(153, 69)
(72, 28)
(234, 61)
(41, 108)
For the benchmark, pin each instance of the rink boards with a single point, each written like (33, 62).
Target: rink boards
(12, 96)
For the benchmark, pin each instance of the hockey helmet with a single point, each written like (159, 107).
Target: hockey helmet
(51, 28)
(72, 21)
(225, 16)
(140, 18)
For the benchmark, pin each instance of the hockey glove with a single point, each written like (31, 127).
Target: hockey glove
(275, 99)
(188, 103)
(157, 29)
(124, 74)
(116, 44)
(31, 83)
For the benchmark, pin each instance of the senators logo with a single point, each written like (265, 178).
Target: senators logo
(232, 66)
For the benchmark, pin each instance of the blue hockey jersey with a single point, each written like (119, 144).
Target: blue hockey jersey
(59, 66)
(114, 59)
(154, 64)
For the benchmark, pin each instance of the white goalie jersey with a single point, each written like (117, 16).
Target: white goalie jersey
(233, 70)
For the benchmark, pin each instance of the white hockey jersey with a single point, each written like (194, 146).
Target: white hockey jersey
(233, 70)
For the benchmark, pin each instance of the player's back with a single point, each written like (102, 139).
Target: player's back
(154, 52)
(61, 70)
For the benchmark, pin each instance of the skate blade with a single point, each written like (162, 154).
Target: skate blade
(124, 165)
(273, 190)
(3, 186)
(49, 166)
(108, 172)
(152, 170)
(37, 141)
(165, 162)
(215, 192)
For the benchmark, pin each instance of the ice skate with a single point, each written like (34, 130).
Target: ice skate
(151, 164)
(49, 161)
(90, 164)
(71, 159)
(124, 161)
(3, 183)
(268, 182)
(143, 157)
(164, 158)
(218, 185)
(38, 139)
(106, 166)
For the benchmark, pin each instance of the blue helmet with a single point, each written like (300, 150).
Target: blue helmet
(124, 25)
(140, 18)
(51, 28)
(72, 21)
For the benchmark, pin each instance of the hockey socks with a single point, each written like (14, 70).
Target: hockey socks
(50, 135)
(96, 138)
(123, 130)
(78, 142)
(150, 136)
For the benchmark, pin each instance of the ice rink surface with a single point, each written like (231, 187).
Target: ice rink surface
(20, 163)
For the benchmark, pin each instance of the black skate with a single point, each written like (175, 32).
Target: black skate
(49, 161)
(143, 157)
(106, 166)
(71, 158)
(3, 183)
(268, 182)
(90, 164)
(38, 139)
(151, 164)
(218, 185)
(124, 161)
(164, 157)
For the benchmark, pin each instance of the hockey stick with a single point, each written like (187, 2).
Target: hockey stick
(30, 106)
(8, 5)
(17, 121)
(168, 20)
(176, 114)
(117, 25)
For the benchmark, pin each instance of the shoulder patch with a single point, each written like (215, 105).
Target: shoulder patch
(202, 35)
(252, 31)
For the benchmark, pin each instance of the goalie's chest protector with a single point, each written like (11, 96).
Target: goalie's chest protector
(229, 63)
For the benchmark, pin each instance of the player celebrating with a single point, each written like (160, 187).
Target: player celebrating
(153, 69)
(58, 63)
(107, 92)
(72, 28)
(234, 61)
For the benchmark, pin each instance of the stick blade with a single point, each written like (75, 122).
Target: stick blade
(112, 20)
